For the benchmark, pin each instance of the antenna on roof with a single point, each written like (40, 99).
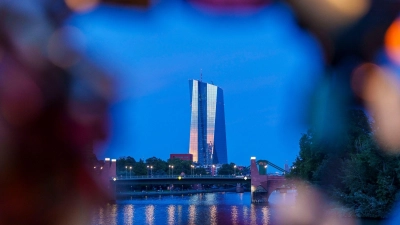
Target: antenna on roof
(201, 74)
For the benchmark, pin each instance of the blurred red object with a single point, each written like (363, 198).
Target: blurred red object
(50, 116)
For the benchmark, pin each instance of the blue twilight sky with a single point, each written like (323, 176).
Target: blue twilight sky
(266, 65)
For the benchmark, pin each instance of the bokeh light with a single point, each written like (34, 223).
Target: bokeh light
(392, 42)
(380, 90)
(81, 5)
(331, 14)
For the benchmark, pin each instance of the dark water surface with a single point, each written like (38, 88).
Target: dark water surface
(202, 209)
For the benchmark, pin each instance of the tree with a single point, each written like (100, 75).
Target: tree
(139, 169)
(160, 167)
(370, 181)
(123, 162)
(226, 169)
(180, 166)
(200, 171)
(353, 170)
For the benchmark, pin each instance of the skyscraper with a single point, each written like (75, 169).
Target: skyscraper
(207, 127)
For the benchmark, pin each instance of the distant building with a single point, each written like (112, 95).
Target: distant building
(287, 168)
(207, 140)
(188, 157)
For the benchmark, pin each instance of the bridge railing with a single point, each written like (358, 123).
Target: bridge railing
(177, 176)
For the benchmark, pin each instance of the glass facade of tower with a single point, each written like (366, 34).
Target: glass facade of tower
(207, 141)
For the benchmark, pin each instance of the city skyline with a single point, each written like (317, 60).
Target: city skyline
(207, 139)
(266, 76)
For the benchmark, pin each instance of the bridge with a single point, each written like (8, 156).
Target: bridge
(261, 185)
(170, 182)
(188, 179)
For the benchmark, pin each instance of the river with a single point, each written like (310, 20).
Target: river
(203, 208)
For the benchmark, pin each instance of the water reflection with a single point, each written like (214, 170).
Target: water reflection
(171, 214)
(234, 212)
(253, 216)
(129, 212)
(150, 214)
(213, 215)
(179, 214)
(245, 213)
(114, 214)
(211, 198)
(265, 215)
(213, 208)
(192, 214)
(101, 215)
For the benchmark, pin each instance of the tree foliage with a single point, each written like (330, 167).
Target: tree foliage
(160, 167)
(354, 169)
(226, 169)
(181, 166)
(200, 171)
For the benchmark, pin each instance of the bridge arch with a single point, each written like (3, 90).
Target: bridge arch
(263, 185)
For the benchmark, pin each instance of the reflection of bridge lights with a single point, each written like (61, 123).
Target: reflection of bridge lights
(213, 215)
(245, 213)
(234, 212)
(129, 214)
(192, 214)
(171, 214)
(265, 215)
(149, 212)
(113, 214)
(253, 216)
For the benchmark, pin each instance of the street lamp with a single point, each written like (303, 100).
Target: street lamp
(130, 172)
(151, 168)
(213, 170)
(172, 170)
(266, 166)
(147, 171)
(192, 170)
(126, 171)
(235, 169)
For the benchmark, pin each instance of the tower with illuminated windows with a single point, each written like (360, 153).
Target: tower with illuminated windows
(207, 141)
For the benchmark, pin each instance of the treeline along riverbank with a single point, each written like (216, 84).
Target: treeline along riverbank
(350, 167)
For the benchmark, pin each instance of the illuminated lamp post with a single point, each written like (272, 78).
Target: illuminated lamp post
(130, 172)
(172, 170)
(235, 169)
(147, 171)
(213, 170)
(151, 169)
